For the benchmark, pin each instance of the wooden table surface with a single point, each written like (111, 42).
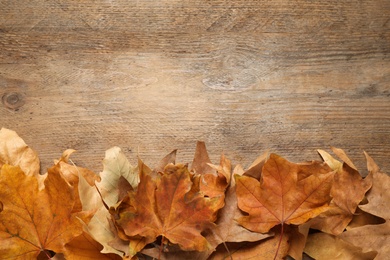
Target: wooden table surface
(151, 76)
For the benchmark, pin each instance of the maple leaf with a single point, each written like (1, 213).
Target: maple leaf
(162, 207)
(287, 193)
(282, 196)
(211, 181)
(374, 237)
(14, 151)
(115, 168)
(32, 220)
(226, 229)
(348, 190)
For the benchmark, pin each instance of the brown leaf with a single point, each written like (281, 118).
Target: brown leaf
(374, 237)
(201, 161)
(344, 157)
(256, 167)
(362, 218)
(168, 159)
(161, 208)
(259, 250)
(334, 164)
(323, 246)
(282, 195)
(211, 180)
(36, 220)
(297, 241)
(173, 252)
(378, 196)
(348, 190)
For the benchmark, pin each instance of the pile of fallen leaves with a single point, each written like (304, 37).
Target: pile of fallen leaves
(275, 209)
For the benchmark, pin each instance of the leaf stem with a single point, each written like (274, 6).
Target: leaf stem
(280, 241)
(161, 247)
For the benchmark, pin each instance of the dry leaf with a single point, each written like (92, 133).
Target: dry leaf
(348, 190)
(287, 193)
(116, 166)
(84, 247)
(323, 246)
(374, 237)
(227, 229)
(260, 250)
(33, 220)
(71, 174)
(14, 151)
(161, 207)
(282, 196)
(344, 157)
(297, 241)
(201, 162)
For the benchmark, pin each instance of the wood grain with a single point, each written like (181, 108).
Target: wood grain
(152, 76)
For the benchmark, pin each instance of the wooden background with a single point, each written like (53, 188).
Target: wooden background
(151, 76)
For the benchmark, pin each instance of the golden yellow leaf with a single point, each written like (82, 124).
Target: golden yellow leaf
(32, 220)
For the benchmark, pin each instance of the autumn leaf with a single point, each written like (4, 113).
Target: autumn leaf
(161, 207)
(14, 151)
(227, 230)
(212, 180)
(374, 237)
(287, 193)
(84, 247)
(347, 191)
(322, 246)
(282, 196)
(115, 168)
(71, 174)
(259, 250)
(344, 157)
(32, 220)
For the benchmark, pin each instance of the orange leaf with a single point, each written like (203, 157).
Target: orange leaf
(84, 247)
(227, 230)
(32, 220)
(161, 207)
(212, 179)
(287, 193)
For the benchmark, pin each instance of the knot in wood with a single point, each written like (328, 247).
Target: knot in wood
(13, 100)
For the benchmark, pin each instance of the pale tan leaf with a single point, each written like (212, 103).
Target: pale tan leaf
(14, 151)
(323, 246)
(329, 160)
(344, 157)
